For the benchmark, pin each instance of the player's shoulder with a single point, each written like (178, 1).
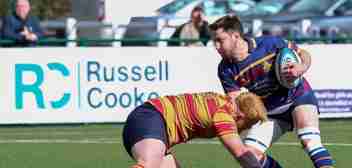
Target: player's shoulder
(213, 96)
(269, 40)
(205, 94)
(267, 44)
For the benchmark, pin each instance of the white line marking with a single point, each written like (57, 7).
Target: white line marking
(277, 143)
(66, 141)
(117, 141)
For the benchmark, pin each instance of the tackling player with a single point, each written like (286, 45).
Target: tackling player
(157, 125)
(249, 63)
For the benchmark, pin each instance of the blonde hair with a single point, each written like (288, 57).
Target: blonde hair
(252, 105)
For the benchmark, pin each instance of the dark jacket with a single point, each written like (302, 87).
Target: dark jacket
(204, 34)
(12, 26)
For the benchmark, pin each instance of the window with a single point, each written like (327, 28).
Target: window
(174, 6)
(311, 6)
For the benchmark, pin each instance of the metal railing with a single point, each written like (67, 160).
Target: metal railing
(86, 42)
(116, 38)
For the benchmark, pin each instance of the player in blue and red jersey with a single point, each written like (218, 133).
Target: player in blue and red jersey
(159, 124)
(249, 63)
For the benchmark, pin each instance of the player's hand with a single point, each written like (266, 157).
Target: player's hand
(292, 71)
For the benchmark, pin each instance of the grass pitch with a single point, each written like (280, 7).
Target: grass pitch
(100, 146)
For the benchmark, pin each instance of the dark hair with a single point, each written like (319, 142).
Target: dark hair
(197, 8)
(228, 23)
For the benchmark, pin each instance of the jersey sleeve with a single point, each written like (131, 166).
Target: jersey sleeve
(224, 123)
(226, 77)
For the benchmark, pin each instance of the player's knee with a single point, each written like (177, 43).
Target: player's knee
(310, 138)
(150, 159)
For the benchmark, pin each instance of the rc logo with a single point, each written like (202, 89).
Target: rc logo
(36, 87)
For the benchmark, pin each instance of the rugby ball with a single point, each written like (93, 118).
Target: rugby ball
(284, 56)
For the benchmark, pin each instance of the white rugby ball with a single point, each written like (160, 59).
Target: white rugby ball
(284, 56)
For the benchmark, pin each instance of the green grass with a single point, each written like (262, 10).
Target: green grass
(99, 146)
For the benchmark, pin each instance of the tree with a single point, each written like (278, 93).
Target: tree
(4, 4)
(44, 9)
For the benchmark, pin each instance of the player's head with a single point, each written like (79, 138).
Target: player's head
(252, 108)
(229, 23)
(228, 36)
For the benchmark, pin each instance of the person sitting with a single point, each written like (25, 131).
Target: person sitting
(21, 27)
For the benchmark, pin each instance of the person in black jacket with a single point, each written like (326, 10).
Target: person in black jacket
(195, 29)
(21, 27)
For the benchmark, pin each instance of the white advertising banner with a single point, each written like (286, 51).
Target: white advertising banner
(85, 85)
(330, 78)
(69, 85)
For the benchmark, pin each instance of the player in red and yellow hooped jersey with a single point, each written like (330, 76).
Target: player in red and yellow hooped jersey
(157, 125)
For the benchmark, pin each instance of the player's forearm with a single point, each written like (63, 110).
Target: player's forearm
(243, 155)
(305, 58)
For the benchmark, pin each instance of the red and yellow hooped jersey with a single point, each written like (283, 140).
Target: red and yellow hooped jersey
(199, 115)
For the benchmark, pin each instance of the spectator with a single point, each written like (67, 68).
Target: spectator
(196, 28)
(22, 27)
(1, 25)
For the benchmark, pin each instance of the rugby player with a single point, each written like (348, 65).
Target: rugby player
(157, 125)
(249, 62)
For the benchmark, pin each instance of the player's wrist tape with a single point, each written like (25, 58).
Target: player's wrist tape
(248, 160)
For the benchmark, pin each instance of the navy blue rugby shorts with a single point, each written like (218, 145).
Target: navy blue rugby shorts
(307, 98)
(145, 121)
